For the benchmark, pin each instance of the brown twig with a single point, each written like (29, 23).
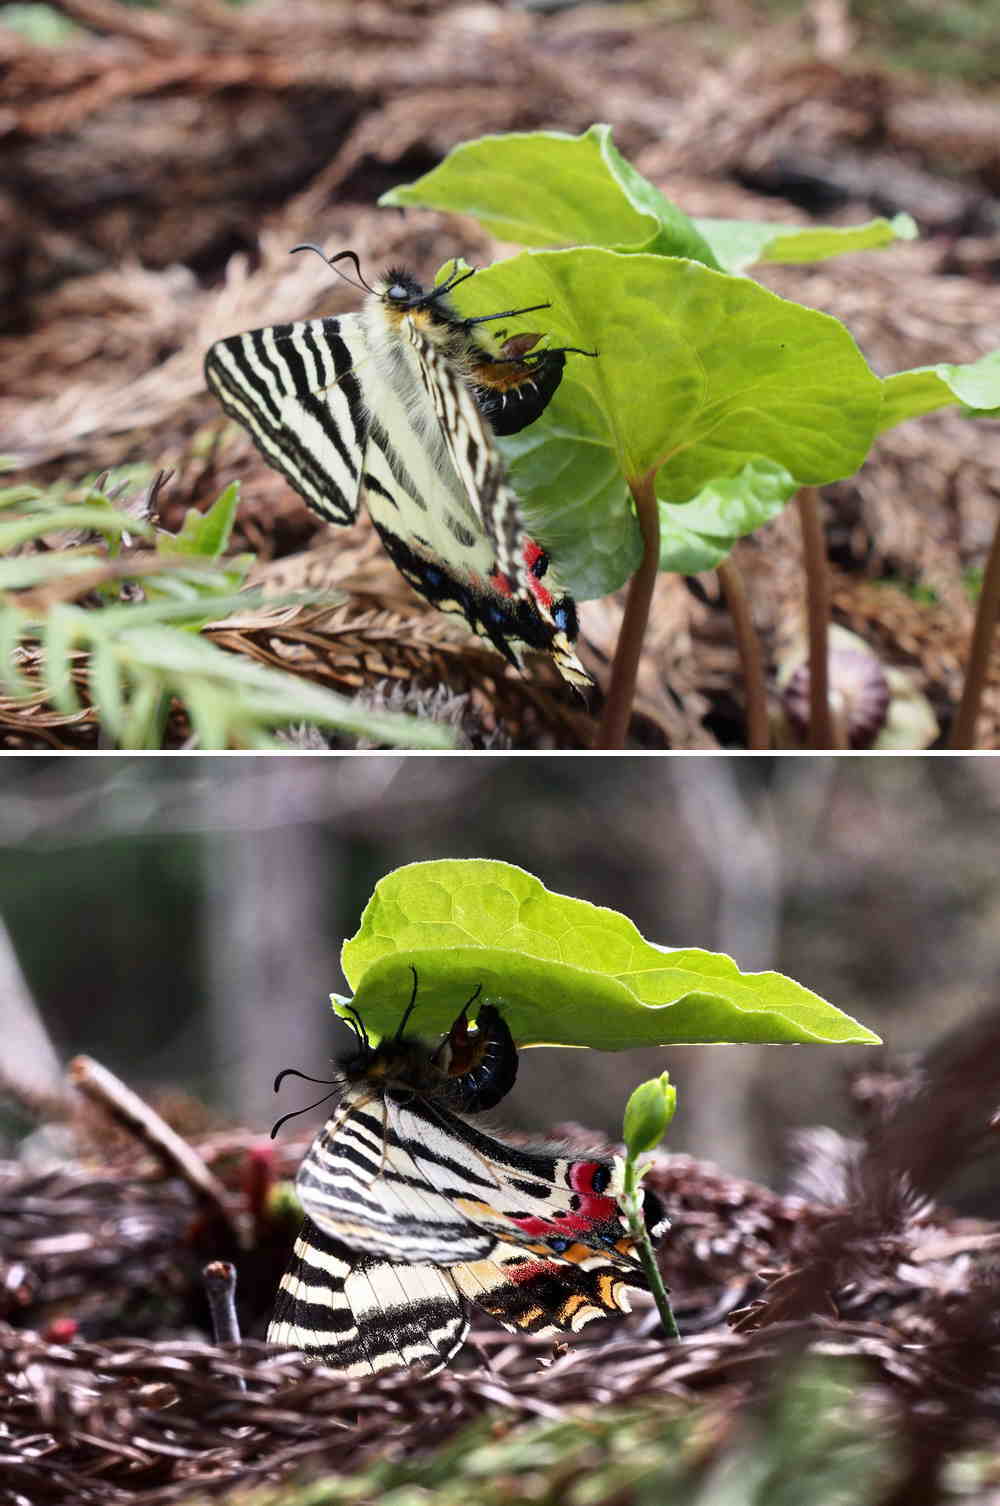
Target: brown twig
(821, 731)
(963, 730)
(625, 668)
(751, 661)
(106, 1090)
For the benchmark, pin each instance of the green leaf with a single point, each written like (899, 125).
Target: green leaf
(145, 710)
(647, 1114)
(738, 244)
(909, 394)
(567, 972)
(35, 569)
(11, 678)
(698, 535)
(205, 533)
(698, 374)
(545, 188)
(63, 626)
(17, 496)
(575, 496)
(32, 525)
(106, 690)
(268, 693)
(42, 25)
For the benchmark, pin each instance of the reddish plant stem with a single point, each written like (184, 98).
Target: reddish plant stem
(821, 734)
(751, 661)
(625, 668)
(963, 729)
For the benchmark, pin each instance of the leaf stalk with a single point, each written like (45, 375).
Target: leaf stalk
(821, 729)
(751, 660)
(631, 1202)
(625, 667)
(963, 730)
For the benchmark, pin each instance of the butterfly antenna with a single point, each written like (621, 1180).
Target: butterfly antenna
(275, 1127)
(409, 1008)
(324, 1082)
(332, 260)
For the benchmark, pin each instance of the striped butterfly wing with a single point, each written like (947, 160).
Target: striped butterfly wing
(360, 1314)
(412, 1212)
(543, 1297)
(414, 1182)
(538, 612)
(295, 389)
(548, 1205)
(347, 417)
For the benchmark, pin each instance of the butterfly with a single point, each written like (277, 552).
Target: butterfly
(397, 406)
(412, 1213)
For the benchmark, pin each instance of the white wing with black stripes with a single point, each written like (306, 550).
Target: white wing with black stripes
(363, 1315)
(389, 1187)
(368, 408)
(294, 387)
(412, 1212)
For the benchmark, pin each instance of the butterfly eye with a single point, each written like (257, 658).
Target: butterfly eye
(397, 293)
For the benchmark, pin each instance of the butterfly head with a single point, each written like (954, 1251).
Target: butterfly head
(403, 297)
(402, 292)
(470, 1070)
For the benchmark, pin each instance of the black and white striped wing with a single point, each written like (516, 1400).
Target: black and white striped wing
(346, 419)
(540, 615)
(359, 1314)
(362, 1184)
(414, 1182)
(295, 388)
(473, 451)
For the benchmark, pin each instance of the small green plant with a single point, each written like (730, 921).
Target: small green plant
(647, 1116)
(712, 401)
(59, 604)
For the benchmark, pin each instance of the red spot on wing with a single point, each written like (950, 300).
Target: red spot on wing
(501, 584)
(532, 1268)
(538, 591)
(531, 552)
(593, 1210)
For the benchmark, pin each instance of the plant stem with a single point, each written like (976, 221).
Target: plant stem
(963, 731)
(748, 644)
(625, 669)
(821, 733)
(637, 1228)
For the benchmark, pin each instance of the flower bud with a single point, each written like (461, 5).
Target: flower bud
(647, 1114)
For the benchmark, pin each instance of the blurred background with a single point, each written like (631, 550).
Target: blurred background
(181, 919)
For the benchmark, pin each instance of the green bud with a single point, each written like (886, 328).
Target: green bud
(647, 1114)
